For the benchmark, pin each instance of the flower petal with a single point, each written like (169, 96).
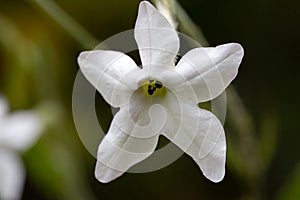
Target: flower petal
(132, 137)
(20, 130)
(12, 175)
(113, 157)
(114, 74)
(210, 70)
(200, 135)
(157, 40)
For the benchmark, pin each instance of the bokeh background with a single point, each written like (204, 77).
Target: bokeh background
(38, 68)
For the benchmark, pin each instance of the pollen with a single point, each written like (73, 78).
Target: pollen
(154, 88)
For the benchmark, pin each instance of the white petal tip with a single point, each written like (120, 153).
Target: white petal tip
(236, 47)
(103, 180)
(144, 6)
(218, 179)
(146, 3)
(82, 56)
(215, 177)
(106, 174)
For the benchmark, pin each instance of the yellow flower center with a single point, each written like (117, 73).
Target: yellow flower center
(154, 88)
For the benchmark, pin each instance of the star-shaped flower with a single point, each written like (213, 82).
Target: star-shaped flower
(18, 132)
(160, 98)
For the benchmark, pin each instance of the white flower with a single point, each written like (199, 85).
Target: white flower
(201, 75)
(18, 131)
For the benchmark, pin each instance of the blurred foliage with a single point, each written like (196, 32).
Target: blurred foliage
(38, 67)
(290, 190)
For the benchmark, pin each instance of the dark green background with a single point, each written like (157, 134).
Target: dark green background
(59, 167)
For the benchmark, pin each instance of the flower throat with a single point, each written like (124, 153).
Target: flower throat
(154, 88)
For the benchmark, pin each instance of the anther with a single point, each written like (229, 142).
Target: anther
(158, 84)
(154, 87)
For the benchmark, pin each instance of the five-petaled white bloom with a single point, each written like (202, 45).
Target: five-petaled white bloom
(160, 98)
(18, 131)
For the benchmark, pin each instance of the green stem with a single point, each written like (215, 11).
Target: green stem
(176, 12)
(188, 26)
(244, 124)
(65, 21)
